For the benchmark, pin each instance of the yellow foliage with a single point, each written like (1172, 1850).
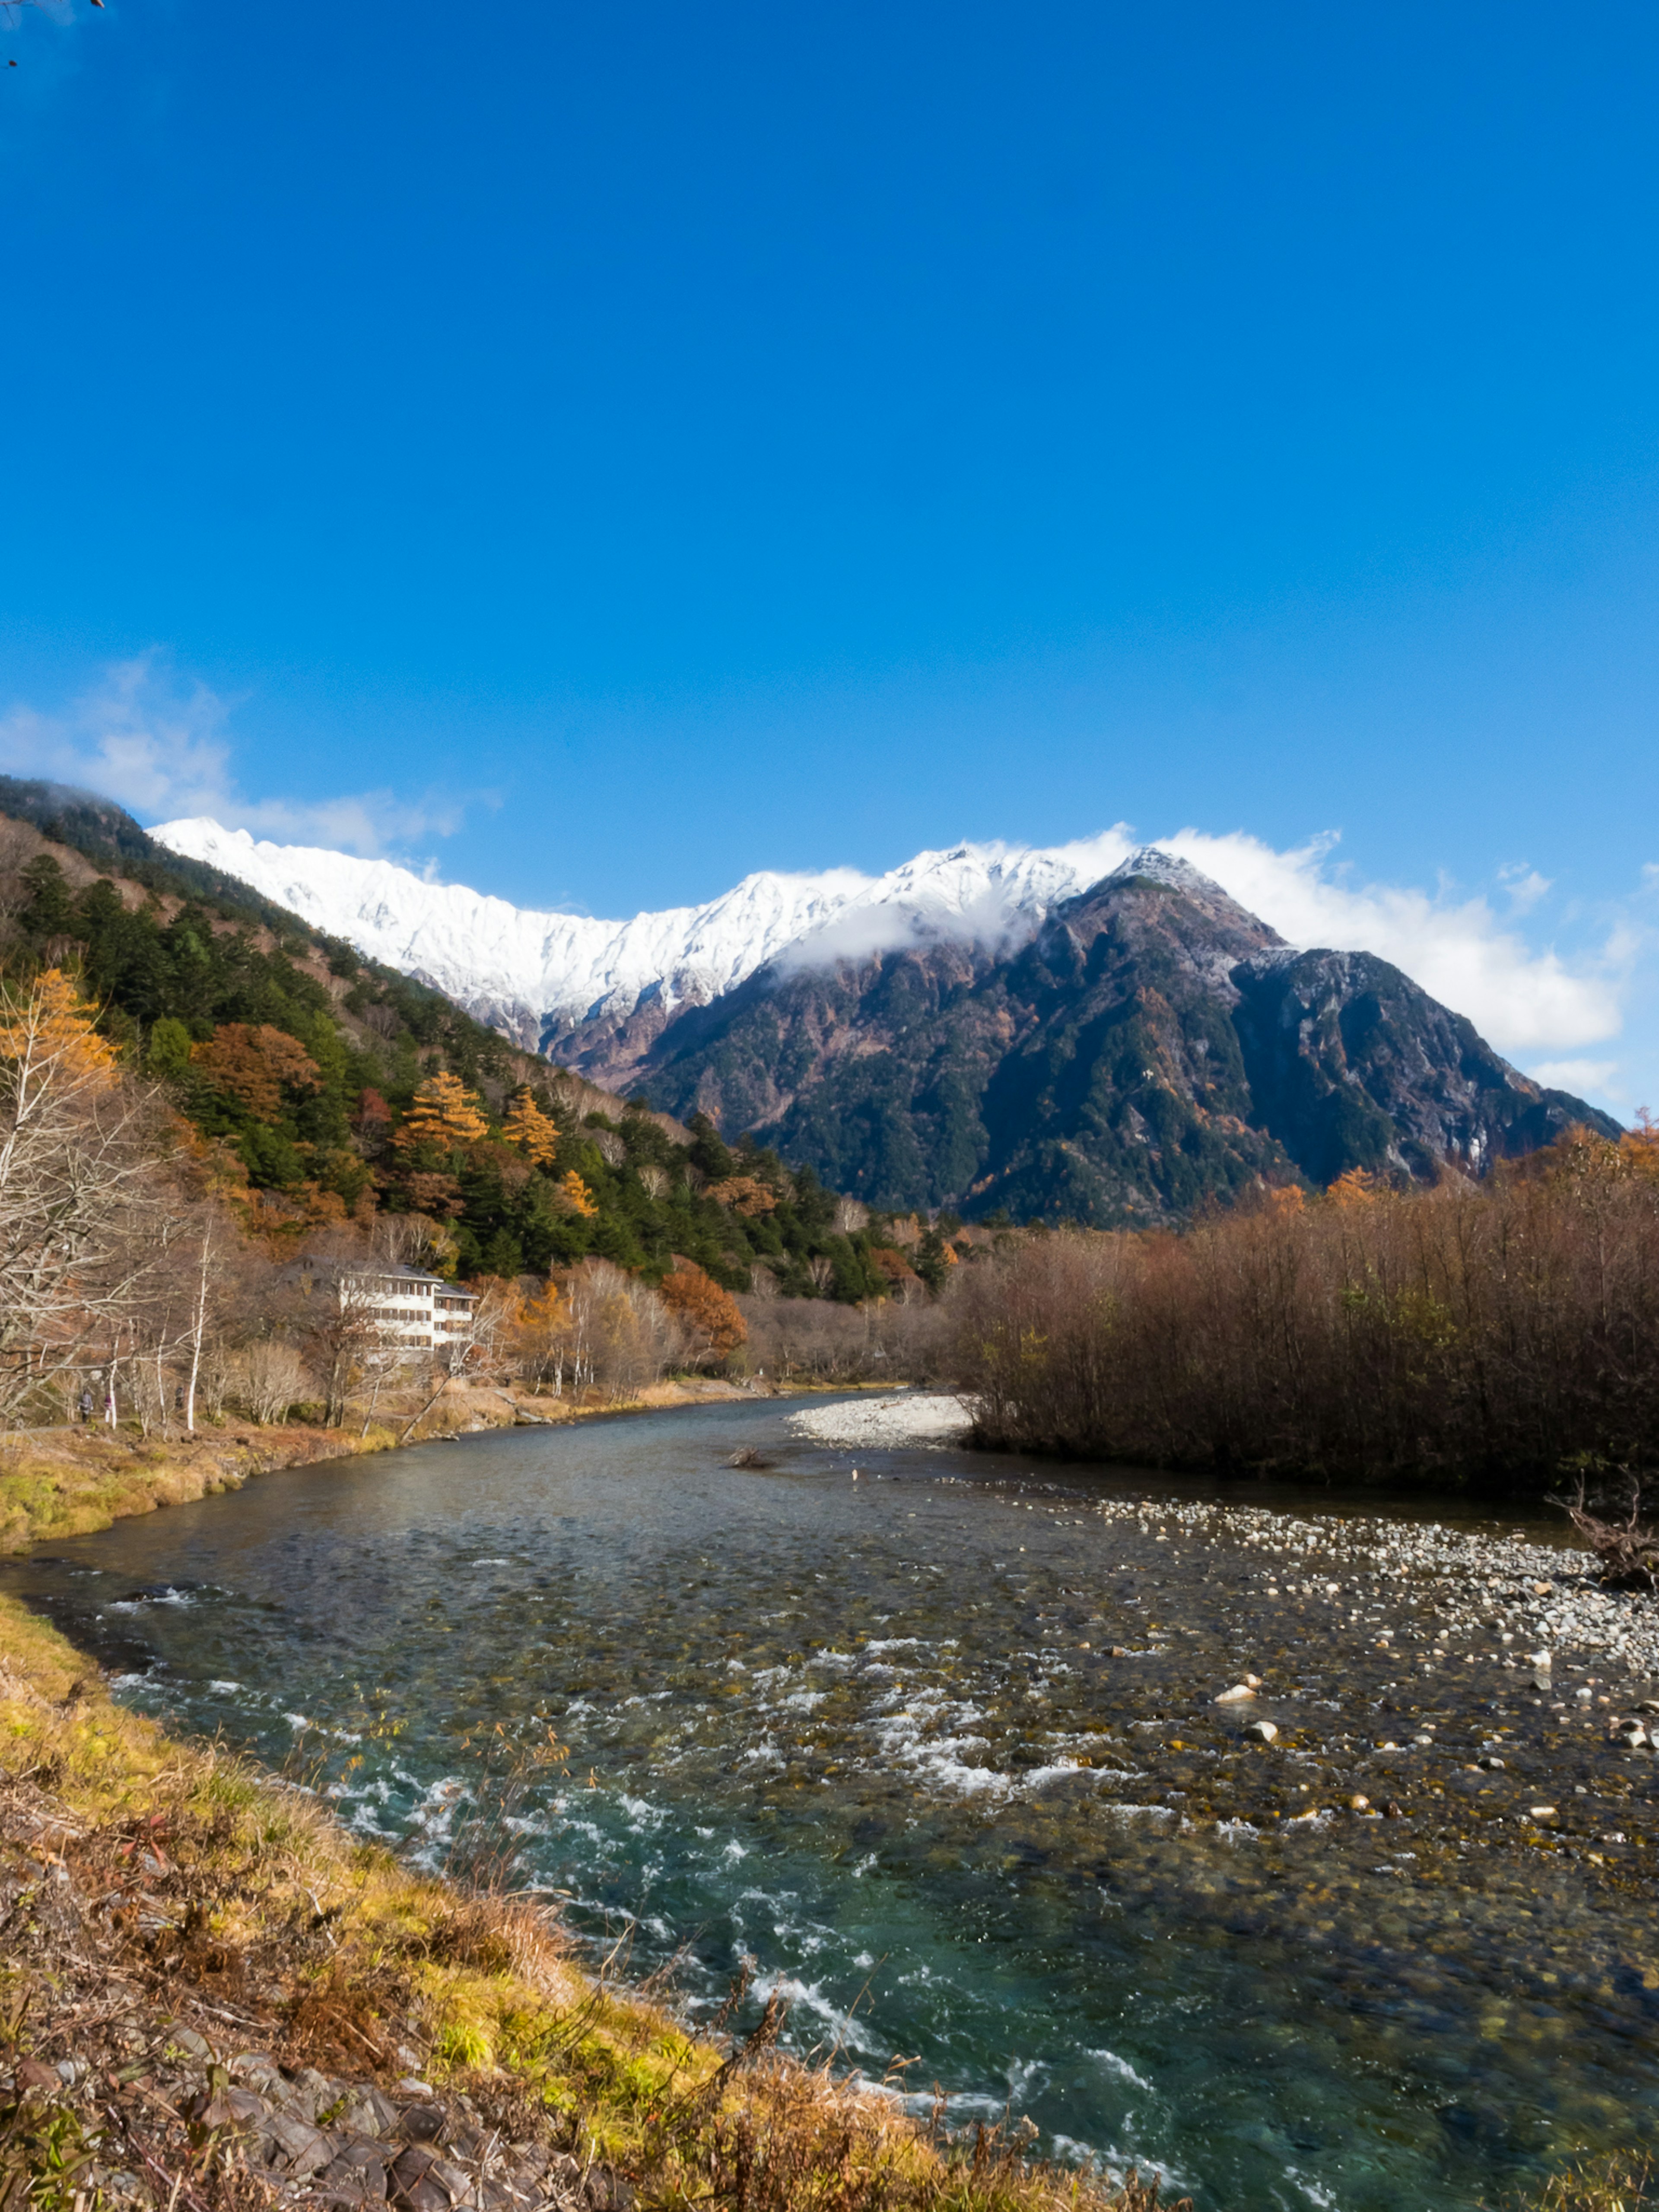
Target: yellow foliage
(576, 1195)
(444, 1113)
(527, 1126)
(745, 1195)
(1358, 1187)
(50, 1033)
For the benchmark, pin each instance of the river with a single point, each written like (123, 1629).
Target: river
(937, 1752)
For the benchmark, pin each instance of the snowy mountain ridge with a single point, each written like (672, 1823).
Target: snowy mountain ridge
(532, 973)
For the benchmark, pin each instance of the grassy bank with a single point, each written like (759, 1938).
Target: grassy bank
(167, 1901)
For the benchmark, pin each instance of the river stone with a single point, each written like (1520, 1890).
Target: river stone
(421, 2124)
(609, 2192)
(1237, 1695)
(357, 2173)
(420, 2181)
(293, 2146)
(1263, 1731)
(260, 2071)
(367, 2112)
(232, 2108)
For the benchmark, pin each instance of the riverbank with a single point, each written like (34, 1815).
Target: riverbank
(213, 1997)
(882, 1748)
(72, 1481)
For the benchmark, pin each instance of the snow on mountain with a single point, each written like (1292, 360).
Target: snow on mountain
(528, 971)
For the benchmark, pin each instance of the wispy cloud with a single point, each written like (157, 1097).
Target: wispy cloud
(161, 747)
(1524, 998)
(1575, 1074)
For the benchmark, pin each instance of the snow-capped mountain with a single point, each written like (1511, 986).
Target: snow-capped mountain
(537, 974)
(1151, 1045)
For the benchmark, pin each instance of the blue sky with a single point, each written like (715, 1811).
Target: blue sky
(603, 451)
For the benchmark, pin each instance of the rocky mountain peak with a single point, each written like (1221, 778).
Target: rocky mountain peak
(1161, 868)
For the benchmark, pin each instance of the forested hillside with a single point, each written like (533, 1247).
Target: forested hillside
(335, 1092)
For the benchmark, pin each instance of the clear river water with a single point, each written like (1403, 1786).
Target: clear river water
(936, 1750)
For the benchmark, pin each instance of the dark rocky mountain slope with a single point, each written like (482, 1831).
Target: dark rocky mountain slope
(1152, 1047)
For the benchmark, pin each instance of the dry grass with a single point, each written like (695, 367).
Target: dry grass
(258, 1910)
(1615, 2184)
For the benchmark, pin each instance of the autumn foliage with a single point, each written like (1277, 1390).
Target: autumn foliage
(444, 1113)
(48, 1035)
(1495, 1331)
(709, 1313)
(533, 1131)
(255, 1065)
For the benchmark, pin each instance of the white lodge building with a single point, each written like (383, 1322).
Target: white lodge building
(410, 1311)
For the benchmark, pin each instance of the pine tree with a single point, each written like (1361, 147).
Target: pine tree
(527, 1126)
(445, 1113)
(50, 1036)
(577, 1197)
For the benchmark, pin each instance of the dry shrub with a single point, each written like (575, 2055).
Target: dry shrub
(266, 1378)
(1496, 1330)
(819, 1341)
(339, 2023)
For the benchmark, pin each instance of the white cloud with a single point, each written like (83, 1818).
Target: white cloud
(1523, 886)
(1573, 1074)
(160, 747)
(1522, 999)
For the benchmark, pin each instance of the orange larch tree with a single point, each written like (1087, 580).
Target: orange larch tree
(527, 1126)
(444, 1113)
(577, 1197)
(79, 1195)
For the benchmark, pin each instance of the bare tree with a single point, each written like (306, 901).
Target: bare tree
(267, 1376)
(332, 1313)
(77, 1191)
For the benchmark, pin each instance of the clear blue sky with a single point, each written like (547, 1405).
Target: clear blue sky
(697, 439)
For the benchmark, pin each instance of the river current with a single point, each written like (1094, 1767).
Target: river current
(937, 1751)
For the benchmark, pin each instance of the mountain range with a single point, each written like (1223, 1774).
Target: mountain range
(1075, 1033)
(584, 991)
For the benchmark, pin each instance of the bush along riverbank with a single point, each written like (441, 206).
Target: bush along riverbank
(212, 1996)
(1495, 1333)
